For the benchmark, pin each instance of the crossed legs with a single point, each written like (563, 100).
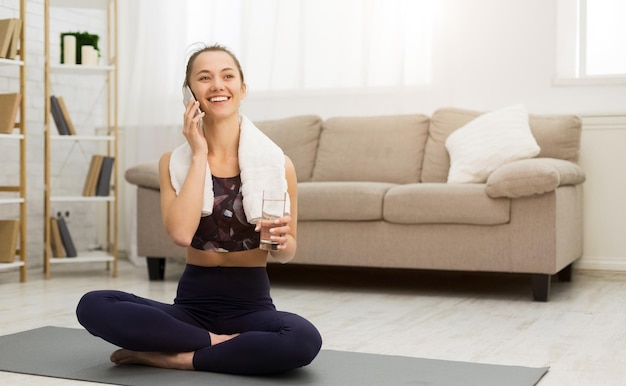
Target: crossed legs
(162, 335)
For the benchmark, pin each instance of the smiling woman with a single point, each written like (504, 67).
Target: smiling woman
(223, 318)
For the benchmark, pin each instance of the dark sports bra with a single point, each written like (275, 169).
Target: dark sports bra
(227, 228)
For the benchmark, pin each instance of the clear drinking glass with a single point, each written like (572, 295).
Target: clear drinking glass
(273, 207)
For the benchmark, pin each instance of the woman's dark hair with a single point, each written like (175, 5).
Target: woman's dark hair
(211, 48)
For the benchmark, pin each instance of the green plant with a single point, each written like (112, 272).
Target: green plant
(82, 39)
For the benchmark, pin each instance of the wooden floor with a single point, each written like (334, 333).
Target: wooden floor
(580, 333)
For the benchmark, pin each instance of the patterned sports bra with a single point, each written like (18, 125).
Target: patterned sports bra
(227, 228)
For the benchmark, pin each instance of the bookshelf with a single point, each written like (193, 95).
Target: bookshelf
(95, 134)
(15, 194)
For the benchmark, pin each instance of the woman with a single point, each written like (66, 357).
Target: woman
(223, 318)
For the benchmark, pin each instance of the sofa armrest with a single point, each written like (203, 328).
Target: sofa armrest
(532, 176)
(145, 175)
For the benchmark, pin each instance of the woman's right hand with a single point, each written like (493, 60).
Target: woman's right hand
(192, 128)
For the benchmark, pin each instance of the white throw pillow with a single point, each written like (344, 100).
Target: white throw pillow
(489, 141)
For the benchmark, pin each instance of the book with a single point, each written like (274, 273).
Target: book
(55, 238)
(9, 104)
(15, 39)
(7, 26)
(103, 187)
(66, 238)
(9, 230)
(66, 115)
(57, 115)
(91, 181)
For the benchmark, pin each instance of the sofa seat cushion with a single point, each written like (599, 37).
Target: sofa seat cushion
(145, 175)
(341, 201)
(440, 203)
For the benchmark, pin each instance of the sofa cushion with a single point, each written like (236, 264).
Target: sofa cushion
(439, 203)
(557, 136)
(298, 137)
(341, 201)
(489, 141)
(533, 176)
(145, 175)
(379, 149)
(442, 123)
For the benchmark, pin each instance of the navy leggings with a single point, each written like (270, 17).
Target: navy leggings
(223, 300)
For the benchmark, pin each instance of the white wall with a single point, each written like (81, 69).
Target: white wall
(487, 54)
(602, 157)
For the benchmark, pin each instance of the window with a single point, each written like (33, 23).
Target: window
(603, 37)
(591, 39)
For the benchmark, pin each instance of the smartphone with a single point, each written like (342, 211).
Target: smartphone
(187, 96)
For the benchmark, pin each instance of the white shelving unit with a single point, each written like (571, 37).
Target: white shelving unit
(17, 192)
(109, 71)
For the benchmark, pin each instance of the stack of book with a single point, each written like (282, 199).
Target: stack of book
(98, 181)
(9, 104)
(61, 116)
(10, 31)
(60, 238)
(9, 230)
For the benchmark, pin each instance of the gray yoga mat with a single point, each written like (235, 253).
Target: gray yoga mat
(75, 354)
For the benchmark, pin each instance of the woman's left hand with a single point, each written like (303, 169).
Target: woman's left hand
(280, 230)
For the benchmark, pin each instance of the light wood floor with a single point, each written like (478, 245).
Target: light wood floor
(580, 333)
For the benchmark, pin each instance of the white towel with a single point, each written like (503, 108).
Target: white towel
(262, 165)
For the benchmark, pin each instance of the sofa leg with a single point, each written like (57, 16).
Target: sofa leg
(565, 274)
(156, 268)
(541, 287)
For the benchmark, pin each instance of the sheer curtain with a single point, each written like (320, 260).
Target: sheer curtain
(323, 47)
(151, 66)
(284, 45)
(321, 44)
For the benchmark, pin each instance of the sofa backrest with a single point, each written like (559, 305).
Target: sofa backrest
(557, 136)
(397, 148)
(298, 137)
(376, 149)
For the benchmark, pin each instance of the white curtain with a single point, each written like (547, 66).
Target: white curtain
(322, 44)
(283, 45)
(151, 67)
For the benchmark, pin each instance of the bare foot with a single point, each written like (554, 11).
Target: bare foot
(180, 361)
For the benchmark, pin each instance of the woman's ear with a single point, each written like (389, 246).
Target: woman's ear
(243, 90)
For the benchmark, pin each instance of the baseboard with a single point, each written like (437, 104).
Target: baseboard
(598, 263)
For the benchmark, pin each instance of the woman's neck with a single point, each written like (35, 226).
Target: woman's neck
(222, 138)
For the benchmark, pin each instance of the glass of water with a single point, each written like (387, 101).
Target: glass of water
(273, 207)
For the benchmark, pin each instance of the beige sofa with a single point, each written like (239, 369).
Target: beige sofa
(373, 192)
